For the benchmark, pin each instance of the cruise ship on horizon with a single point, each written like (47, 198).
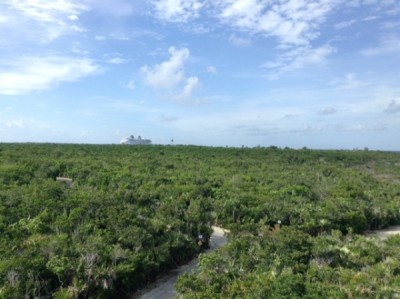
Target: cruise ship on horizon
(132, 141)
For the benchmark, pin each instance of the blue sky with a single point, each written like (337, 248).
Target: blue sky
(315, 73)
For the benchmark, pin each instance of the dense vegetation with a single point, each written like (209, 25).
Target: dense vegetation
(134, 212)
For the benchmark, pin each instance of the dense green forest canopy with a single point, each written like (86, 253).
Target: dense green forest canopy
(133, 212)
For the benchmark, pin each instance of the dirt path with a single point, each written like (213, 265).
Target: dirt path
(165, 287)
(387, 232)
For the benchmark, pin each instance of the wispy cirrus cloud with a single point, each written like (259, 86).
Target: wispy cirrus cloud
(40, 73)
(46, 20)
(178, 11)
(3, 19)
(239, 41)
(295, 25)
(116, 58)
(114, 8)
(21, 128)
(48, 11)
(348, 81)
(345, 24)
(291, 22)
(20, 122)
(212, 69)
(388, 45)
(15, 122)
(297, 58)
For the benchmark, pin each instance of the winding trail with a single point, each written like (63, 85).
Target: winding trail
(164, 288)
(383, 234)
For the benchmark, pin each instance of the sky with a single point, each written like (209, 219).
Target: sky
(290, 73)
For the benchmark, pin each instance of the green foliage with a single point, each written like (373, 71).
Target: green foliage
(133, 213)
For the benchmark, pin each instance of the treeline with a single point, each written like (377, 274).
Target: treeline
(133, 212)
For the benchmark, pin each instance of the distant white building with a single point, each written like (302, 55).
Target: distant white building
(132, 141)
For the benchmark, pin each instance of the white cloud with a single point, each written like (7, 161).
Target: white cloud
(100, 37)
(390, 25)
(47, 11)
(168, 74)
(115, 8)
(44, 20)
(179, 11)
(120, 36)
(131, 85)
(6, 111)
(244, 13)
(17, 122)
(369, 18)
(382, 3)
(314, 55)
(344, 24)
(239, 41)
(351, 82)
(293, 22)
(298, 58)
(17, 128)
(212, 69)
(117, 60)
(388, 45)
(348, 81)
(24, 123)
(192, 83)
(73, 17)
(38, 73)
(77, 48)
